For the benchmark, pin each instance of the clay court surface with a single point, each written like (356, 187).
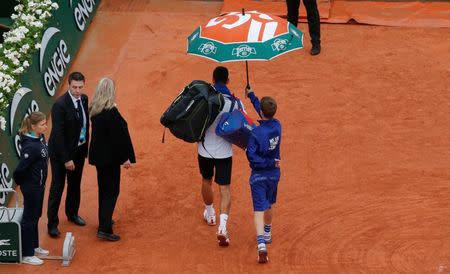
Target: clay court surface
(365, 184)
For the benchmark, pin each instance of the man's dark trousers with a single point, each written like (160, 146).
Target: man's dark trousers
(59, 172)
(312, 14)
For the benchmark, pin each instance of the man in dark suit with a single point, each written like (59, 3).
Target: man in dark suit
(312, 14)
(68, 146)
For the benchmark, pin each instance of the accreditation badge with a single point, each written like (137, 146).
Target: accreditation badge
(83, 135)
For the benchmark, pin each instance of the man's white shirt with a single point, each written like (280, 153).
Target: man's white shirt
(74, 100)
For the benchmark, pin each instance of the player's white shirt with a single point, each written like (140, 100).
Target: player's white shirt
(217, 147)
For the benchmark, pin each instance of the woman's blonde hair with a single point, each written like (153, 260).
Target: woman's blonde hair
(32, 119)
(104, 96)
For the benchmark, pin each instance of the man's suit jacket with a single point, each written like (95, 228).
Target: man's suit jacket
(66, 128)
(110, 143)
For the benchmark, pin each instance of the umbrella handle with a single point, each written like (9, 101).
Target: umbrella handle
(246, 63)
(246, 69)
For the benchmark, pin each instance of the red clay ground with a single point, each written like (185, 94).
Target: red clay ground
(365, 152)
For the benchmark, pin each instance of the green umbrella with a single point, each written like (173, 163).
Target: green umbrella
(243, 36)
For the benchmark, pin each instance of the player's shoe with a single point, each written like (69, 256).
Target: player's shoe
(223, 238)
(268, 237)
(209, 219)
(262, 254)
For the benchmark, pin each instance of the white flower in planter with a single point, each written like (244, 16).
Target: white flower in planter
(19, 45)
(18, 7)
(18, 70)
(15, 61)
(2, 123)
(38, 24)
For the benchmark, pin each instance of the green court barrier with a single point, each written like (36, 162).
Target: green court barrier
(10, 236)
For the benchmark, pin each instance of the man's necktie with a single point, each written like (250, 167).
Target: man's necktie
(79, 112)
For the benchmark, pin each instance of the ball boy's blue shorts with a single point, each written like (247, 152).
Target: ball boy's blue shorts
(264, 189)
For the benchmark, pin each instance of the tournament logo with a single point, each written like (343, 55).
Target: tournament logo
(273, 142)
(280, 44)
(243, 51)
(207, 48)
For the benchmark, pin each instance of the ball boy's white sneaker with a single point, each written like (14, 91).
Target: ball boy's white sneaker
(262, 254)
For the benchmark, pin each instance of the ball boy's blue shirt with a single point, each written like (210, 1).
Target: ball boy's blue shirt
(264, 143)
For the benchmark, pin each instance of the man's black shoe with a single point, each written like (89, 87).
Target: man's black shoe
(53, 232)
(77, 220)
(108, 236)
(315, 49)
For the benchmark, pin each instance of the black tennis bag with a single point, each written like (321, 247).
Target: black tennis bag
(193, 111)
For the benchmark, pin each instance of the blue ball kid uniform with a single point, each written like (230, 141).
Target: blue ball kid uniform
(262, 150)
